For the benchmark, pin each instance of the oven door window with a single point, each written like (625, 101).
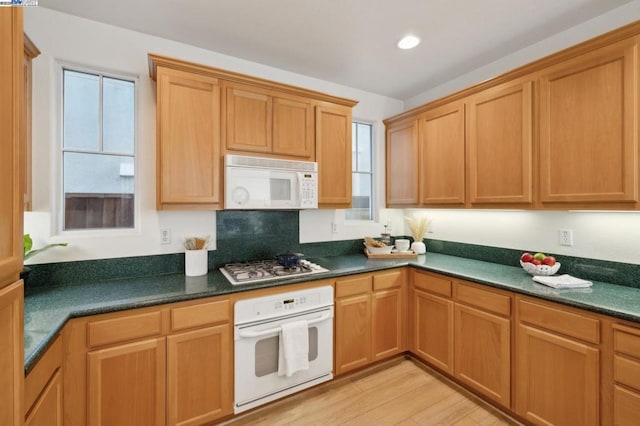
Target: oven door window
(266, 353)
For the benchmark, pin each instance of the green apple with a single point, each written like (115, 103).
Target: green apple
(539, 256)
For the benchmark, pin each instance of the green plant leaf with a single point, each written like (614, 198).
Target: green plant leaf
(32, 253)
(28, 244)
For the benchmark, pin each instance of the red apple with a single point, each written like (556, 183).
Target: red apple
(526, 257)
(549, 260)
(536, 262)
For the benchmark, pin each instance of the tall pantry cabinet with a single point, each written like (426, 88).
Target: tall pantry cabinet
(11, 203)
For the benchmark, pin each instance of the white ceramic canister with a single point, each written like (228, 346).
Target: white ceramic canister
(195, 262)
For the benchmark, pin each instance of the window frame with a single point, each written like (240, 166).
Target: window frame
(58, 201)
(373, 206)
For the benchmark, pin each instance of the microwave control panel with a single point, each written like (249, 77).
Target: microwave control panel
(308, 190)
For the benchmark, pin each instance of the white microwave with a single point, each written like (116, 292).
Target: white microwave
(255, 183)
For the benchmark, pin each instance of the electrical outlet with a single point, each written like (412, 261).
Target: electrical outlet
(334, 228)
(565, 237)
(165, 236)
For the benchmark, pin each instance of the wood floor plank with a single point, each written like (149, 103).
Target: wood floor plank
(399, 394)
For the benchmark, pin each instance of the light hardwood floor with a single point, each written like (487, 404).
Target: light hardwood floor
(401, 393)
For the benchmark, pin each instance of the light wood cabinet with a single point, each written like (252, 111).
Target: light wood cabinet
(199, 379)
(333, 154)
(189, 159)
(266, 122)
(126, 384)
(588, 117)
(626, 374)
(30, 53)
(12, 353)
(482, 341)
(170, 364)
(402, 164)
(557, 371)
(432, 317)
(369, 319)
(500, 144)
(43, 389)
(441, 152)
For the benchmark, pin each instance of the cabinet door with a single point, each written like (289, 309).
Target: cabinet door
(588, 117)
(189, 162)
(11, 197)
(333, 154)
(442, 155)
(387, 323)
(353, 332)
(483, 352)
(11, 353)
(499, 144)
(47, 410)
(557, 379)
(248, 119)
(126, 384)
(433, 330)
(293, 127)
(199, 376)
(402, 164)
(626, 406)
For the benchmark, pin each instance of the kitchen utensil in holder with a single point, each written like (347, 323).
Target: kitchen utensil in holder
(195, 262)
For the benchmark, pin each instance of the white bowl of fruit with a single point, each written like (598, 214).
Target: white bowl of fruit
(539, 264)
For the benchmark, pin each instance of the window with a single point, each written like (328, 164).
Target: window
(362, 166)
(98, 150)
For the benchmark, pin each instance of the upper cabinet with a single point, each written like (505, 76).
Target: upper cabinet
(203, 113)
(259, 122)
(30, 53)
(499, 144)
(441, 154)
(333, 150)
(402, 164)
(588, 127)
(189, 162)
(559, 133)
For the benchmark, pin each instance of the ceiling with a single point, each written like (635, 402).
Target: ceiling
(351, 42)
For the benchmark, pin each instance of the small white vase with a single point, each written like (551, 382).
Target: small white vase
(419, 247)
(195, 262)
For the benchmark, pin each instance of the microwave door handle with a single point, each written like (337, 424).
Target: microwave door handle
(261, 333)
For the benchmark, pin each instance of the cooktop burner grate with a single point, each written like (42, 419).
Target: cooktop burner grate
(263, 270)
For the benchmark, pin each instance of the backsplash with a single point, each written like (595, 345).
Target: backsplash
(255, 235)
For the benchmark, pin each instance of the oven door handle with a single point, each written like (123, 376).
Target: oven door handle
(260, 333)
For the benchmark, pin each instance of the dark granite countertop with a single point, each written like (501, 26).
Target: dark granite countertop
(47, 309)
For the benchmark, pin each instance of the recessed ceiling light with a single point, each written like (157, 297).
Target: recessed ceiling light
(408, 42)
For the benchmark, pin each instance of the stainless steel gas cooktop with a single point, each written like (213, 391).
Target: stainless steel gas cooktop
(265, 270)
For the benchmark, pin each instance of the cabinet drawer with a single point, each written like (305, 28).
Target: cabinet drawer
(349, 287)
(122, 329)
(484, 299)
(38, 378)
(568, 323)
(432, 284)
(626, 407)
(626, 340)
(626, 371)
(199, 315)
(387, 280)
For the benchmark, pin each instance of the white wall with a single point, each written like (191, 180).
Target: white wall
(66, 38)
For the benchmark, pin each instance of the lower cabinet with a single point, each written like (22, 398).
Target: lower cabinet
(465, 331)
(126, 384)
(196, 360)
(557, 365)
(369, 319)
(43, 389)
(170, 364)
(482, 341)
(626, 375)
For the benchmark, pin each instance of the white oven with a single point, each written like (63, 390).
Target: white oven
(257, 333)
(269, 183)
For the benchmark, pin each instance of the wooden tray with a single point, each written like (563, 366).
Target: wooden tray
(404, 255)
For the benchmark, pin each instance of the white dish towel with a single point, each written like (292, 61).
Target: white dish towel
(293, 353)
(562, 281)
